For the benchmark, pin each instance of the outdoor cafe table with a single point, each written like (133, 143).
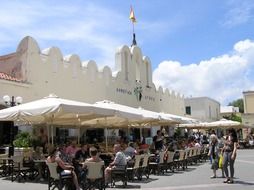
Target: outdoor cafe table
(107, 157)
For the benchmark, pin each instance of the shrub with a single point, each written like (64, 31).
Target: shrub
(23, 139)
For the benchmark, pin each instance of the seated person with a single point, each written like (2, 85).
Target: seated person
(94, 155)
(82, 154)
(62, 153)
(65, 169)
(118, 163)
(130, 151)
(72, 149)
(38, 154)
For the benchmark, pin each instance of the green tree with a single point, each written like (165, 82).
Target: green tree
(233, 117)
(238, 103)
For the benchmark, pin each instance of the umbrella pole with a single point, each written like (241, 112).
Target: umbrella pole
(79, 135)
(128, 132)
(141, 135)
(106, 139)
(52, 131)
(48, 134)
(52, 135)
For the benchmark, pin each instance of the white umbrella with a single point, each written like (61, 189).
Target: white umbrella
(155, 118)
(128, 116)
(193, 125)
(224, 123)
(123, 115)
(54, 110)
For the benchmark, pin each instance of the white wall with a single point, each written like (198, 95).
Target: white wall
(204, 108)
(48, 71)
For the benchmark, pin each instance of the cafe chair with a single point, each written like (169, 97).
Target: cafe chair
(181, 162)
(134, 171)
(144, 168)
(157, 165)
(119, 174)
(4, 164)
(170, 164)
(18, 171)
(55, 180)
(198, 157)
(94, 176)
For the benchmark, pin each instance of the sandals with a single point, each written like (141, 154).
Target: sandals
(226, 180)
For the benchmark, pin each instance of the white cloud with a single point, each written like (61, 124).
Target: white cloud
(244, 46)
(79, 28)
(223, 78)
(86, 28)
(240, 12)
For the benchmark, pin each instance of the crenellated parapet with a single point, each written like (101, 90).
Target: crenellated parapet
(131, 83)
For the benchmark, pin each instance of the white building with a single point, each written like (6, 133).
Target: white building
(33, 73)
(248, 116)
(202, 108)
(229, 109)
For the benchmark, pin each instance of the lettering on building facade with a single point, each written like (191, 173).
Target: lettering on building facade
(123, 91)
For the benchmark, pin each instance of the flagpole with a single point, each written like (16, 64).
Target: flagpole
(133, 32)
(133, 20)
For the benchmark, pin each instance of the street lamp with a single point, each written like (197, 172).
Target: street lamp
(12, 101)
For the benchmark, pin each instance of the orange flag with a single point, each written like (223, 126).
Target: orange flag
(132, 16)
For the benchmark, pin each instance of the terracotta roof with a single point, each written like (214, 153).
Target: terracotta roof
(8, 77)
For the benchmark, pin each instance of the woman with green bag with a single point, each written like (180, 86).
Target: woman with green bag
(221, 163)
(214, 154)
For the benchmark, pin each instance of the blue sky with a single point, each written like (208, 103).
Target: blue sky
(197, 48)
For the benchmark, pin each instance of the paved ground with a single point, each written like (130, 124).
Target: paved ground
(196, 177)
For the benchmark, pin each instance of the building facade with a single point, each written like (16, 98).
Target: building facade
(34, 74)
(226, 111)
(248, 116)
(202, 108)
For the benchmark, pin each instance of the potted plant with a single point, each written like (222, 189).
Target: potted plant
(22, 143)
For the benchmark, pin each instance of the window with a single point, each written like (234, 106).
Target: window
(188, 110)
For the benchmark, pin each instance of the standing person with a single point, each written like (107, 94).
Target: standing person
(158, 141)
(214, 154)
(229, 155)
(43, 139)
